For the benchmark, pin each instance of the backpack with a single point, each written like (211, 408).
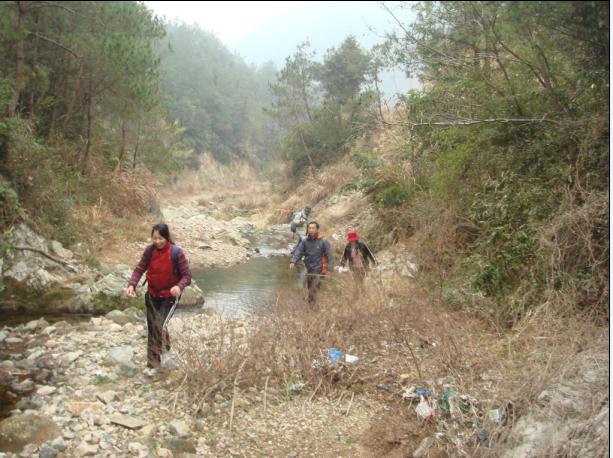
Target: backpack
(174, 255)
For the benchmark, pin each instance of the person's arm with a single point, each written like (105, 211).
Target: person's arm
(138, 272)
(140, 269)
(345, 257)
(369, 254)
(186, 274)
(327, 255)
(299, 253)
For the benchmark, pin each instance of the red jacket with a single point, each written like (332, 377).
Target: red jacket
(161, 276)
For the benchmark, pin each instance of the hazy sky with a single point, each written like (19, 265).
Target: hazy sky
(230, 21)
(270, 31)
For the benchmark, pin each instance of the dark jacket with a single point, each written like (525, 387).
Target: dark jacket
(366, 254)
(316, 252)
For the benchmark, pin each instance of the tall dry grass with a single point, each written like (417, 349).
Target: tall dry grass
(402, 340)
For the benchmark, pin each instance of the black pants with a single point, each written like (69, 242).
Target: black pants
(313, 284)
(159, 312)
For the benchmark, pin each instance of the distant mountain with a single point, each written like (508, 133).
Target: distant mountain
(325, 25)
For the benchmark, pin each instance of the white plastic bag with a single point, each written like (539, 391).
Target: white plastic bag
(424, 410)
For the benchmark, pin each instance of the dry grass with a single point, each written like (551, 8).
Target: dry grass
(313, 190)
(401, 339)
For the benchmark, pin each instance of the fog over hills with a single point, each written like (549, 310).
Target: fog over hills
(324, 25)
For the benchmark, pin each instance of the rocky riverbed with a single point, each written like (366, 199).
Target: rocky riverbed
(85, 393)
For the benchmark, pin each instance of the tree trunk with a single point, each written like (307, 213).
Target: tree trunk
(122, 148)
(21, 22)
(88, 101)
(73, 101)
(34, 69)
(136, 147)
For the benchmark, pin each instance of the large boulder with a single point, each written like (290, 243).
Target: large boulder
(192, 296)
(20, 430)
(571, 417)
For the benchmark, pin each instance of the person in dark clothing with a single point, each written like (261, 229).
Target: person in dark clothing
(168, 274)
(357, 255)
(316, 251)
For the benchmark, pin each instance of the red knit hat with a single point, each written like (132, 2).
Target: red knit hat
(352, 235)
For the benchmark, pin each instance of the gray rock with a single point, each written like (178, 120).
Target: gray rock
(192, 296)
(122, 356)
(40, 279)
(423, 448)
(48, 452)
(59, 250)
(564, 421)
(128, 422)
(177, 445)
(138, 449)
(13, 340)
(20, 430)
(179, 428)
(107, 396)
(18, 271)
(71, 357)
(46, 390)
(85, 449)
(58, 444)
(109, 285)
(120, 317)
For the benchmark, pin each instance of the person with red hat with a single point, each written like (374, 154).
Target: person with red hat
(358, 255)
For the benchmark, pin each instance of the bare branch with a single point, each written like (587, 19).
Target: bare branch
(472, 122)
(52, 41)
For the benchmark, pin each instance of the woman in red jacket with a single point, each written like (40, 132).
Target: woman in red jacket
(168, 275)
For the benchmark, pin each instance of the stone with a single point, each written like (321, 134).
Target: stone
(46, 390)
(179, 428)
(77, 408)
(31, 326)
(120, 317)
(122, 356)
(148, 430)
(138, 449)
(72, 356)
(177, 445)
(48, 452)
(107, 396)
(13, 340)
(85, 449)
(59, 250)
(423, 448)
(128, 422)
(58, 444)
(164, 453)
(18, 431)
(564, 421)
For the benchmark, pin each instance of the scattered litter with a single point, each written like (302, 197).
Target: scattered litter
(496, 415)
(334, 355)
(410, 394)
(351, 359)
(296, 387)
(424, 409)
(482, 436)
(424, 392)
(407, 375)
